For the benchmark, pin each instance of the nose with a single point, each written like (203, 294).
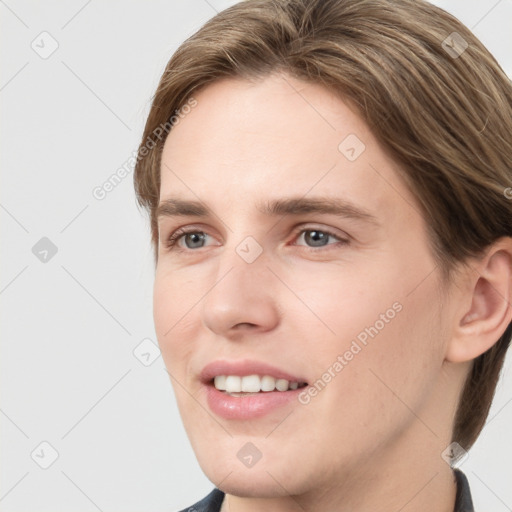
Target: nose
(242, 298)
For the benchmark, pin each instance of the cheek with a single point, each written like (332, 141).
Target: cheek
(390, 360)
(342, 300)
(376, 334)
(173, 314)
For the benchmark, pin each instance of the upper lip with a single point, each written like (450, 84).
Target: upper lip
(245, 367)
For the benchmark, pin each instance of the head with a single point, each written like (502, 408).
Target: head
(272, 111)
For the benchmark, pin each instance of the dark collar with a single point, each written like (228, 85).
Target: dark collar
(463, 501)
(211, 503)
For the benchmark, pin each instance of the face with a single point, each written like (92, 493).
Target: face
(303, 264)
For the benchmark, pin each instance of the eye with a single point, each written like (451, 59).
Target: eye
(192, 238)
(318, 238)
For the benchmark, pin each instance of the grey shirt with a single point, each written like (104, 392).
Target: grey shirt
(463, 500)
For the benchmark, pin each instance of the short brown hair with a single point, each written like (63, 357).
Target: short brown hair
(442, 110)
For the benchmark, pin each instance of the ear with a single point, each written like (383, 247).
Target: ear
(479, 326)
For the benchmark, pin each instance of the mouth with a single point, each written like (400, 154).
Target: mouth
(236, 385)
(248, 389)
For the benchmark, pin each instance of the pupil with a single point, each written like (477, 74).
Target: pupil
(317, 238)
(194, 238)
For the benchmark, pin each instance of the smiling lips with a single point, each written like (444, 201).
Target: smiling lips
(248, 389)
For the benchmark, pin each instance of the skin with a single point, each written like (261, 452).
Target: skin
(383, 421)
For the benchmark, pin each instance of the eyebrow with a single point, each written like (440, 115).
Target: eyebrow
(176, 207)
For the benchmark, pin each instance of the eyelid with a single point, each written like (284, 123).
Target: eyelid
(180, 232)
(316, 227)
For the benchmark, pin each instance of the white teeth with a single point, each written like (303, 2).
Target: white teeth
(281, 384)
(233, 384)
(268, 383)
(252, 383)
(220, 382)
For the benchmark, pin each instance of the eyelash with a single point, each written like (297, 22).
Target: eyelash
(171, 242)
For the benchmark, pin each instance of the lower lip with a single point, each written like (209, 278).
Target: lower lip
(249, 406)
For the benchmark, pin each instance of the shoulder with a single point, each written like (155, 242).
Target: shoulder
(210, 503)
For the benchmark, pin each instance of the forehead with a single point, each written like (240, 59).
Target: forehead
(248, 141)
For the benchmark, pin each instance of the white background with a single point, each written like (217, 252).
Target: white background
(69, 325)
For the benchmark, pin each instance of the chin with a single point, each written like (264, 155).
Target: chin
(253, 490)
(254, 483)
(269, 477)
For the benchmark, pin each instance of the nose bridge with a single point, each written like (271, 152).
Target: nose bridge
(244, 260)
(242, 292)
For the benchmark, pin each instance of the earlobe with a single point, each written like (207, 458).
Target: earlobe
(477, 328)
